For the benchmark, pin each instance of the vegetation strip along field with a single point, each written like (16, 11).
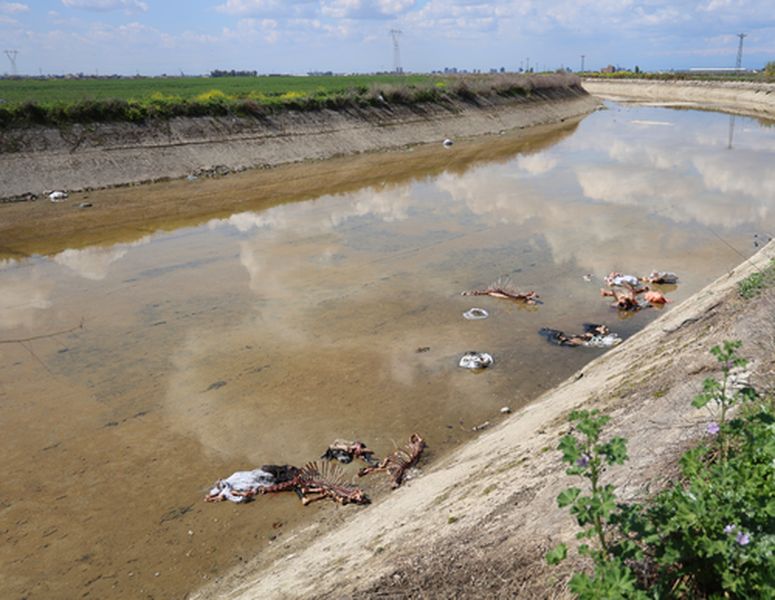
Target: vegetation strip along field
(58, 102)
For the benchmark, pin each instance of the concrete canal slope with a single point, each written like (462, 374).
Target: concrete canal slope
(756, 99)
(35, 159)
(477, 523)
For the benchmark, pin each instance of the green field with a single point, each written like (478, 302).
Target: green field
(66, 91)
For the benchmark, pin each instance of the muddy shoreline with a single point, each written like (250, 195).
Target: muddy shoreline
(100, 155)
(745, 98)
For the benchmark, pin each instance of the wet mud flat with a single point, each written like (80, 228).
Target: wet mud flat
(182, 354)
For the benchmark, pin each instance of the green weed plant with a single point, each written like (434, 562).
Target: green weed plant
(712, 534)
(756, 283)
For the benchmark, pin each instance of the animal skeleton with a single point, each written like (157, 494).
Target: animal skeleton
(504, 288)
(324, 481)
(399, 462)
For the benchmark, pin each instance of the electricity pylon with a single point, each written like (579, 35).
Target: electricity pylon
(739, 62)
(395, 34)
(12, 54)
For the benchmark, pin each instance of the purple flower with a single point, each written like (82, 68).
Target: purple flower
(729, 528)
(583, 462)
(712, 428)
(743, 539)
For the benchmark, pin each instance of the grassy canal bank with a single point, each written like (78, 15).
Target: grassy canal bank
(62, 102)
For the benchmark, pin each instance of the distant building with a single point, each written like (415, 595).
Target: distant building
(718, 70)
(608, 69)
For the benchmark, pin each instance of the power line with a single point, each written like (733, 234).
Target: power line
(739, 62)
(12, 54)
(395, 34)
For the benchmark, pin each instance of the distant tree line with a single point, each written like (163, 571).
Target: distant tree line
(232, 73)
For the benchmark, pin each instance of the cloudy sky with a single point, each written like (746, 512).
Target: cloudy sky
(297, 36)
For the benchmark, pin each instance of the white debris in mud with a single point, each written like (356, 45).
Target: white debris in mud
(234, 487)
(448, 142)
(475, 314)
(475, 360)
(604, 341)
(57, 196)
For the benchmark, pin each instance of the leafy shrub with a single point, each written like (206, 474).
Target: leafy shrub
(597, 511)
(712, 535)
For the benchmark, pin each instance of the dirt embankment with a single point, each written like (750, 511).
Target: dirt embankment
(478, 523)
(756, 99)
(36, 159)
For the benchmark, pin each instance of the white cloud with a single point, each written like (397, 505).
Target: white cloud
(13, 8)
(365, 9)
(335, 9)
(285, 8)
(129, 6)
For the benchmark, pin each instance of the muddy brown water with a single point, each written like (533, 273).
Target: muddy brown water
(134, 374)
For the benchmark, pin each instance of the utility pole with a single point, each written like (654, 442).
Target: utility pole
(739, 62)
(527, 64)
(582, 62)
(12, 54)
(395, 34)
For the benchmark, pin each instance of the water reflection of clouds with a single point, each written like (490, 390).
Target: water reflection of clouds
(743, 171)
(678, 199)
(294, 259)
(94, 263)
(326, 213)
(628, 178)
(298, 393)
(537, 164)
(684, 173)
(23, 302)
